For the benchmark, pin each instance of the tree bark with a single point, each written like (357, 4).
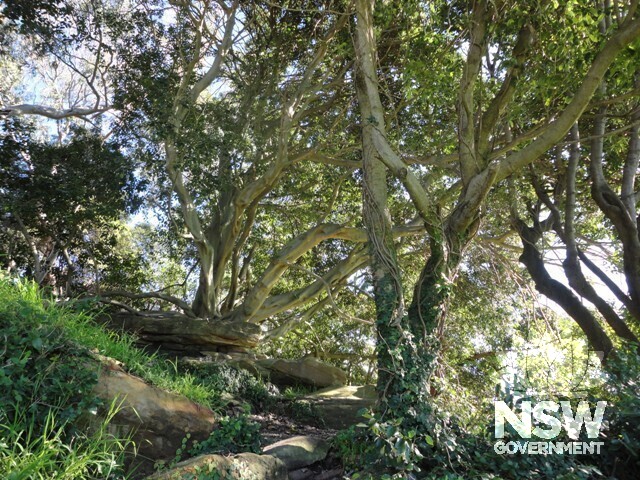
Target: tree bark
(387, 283)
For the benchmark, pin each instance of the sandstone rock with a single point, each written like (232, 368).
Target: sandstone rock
(222, 341)
(239, 467)
(308, 371)
(177, 332)
(234, 349)
(339, 414)
(353, 392)
(339, 407)
(158, 420)
(300, 451)
(250, 366)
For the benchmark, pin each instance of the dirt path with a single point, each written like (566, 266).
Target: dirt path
(278, 427)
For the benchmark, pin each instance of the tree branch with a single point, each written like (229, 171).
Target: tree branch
(559, 127)
(557, 292)
(49, 112)
(186, 308)
(526, 39)
(466, 126)
(289, 254)
(275, 304)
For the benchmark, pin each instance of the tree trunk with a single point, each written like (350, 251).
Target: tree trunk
(205, 303)
(406, 343)
(387, 283)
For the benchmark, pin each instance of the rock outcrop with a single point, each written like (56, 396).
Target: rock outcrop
(175, 332)
(156, 419)
(338, 407)
(300, 451)
(220, 341)
(307, 371)
(239, 467)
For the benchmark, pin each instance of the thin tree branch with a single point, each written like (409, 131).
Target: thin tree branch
(186, 308)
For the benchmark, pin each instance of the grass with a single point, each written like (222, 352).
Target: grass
(48, 427)
(49, 421)
(44, 452)
(80, 328)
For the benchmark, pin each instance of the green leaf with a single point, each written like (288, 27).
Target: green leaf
(37, 343)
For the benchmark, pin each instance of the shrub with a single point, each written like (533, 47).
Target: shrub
(232, 435)
(383, 449)
(232, 381)
(621, 452)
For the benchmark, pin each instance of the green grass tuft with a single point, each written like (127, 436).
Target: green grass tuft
(32, 451)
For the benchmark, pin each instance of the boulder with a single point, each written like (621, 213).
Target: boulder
(306, 371)
(178, 333)
(352, 392)
(156, 419)
(239, 467)
(300, 451)
(338, 407)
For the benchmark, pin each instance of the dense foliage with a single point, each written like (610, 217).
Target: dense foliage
(399, 188)
(60, 205)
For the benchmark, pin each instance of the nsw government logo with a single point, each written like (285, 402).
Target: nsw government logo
(554, 416)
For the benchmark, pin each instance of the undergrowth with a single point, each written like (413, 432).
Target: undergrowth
(48, 422)
(82, 331)
(48, 370)
(382, 449)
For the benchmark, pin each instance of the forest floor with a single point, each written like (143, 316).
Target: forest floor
(275, 428)
(279, 427)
